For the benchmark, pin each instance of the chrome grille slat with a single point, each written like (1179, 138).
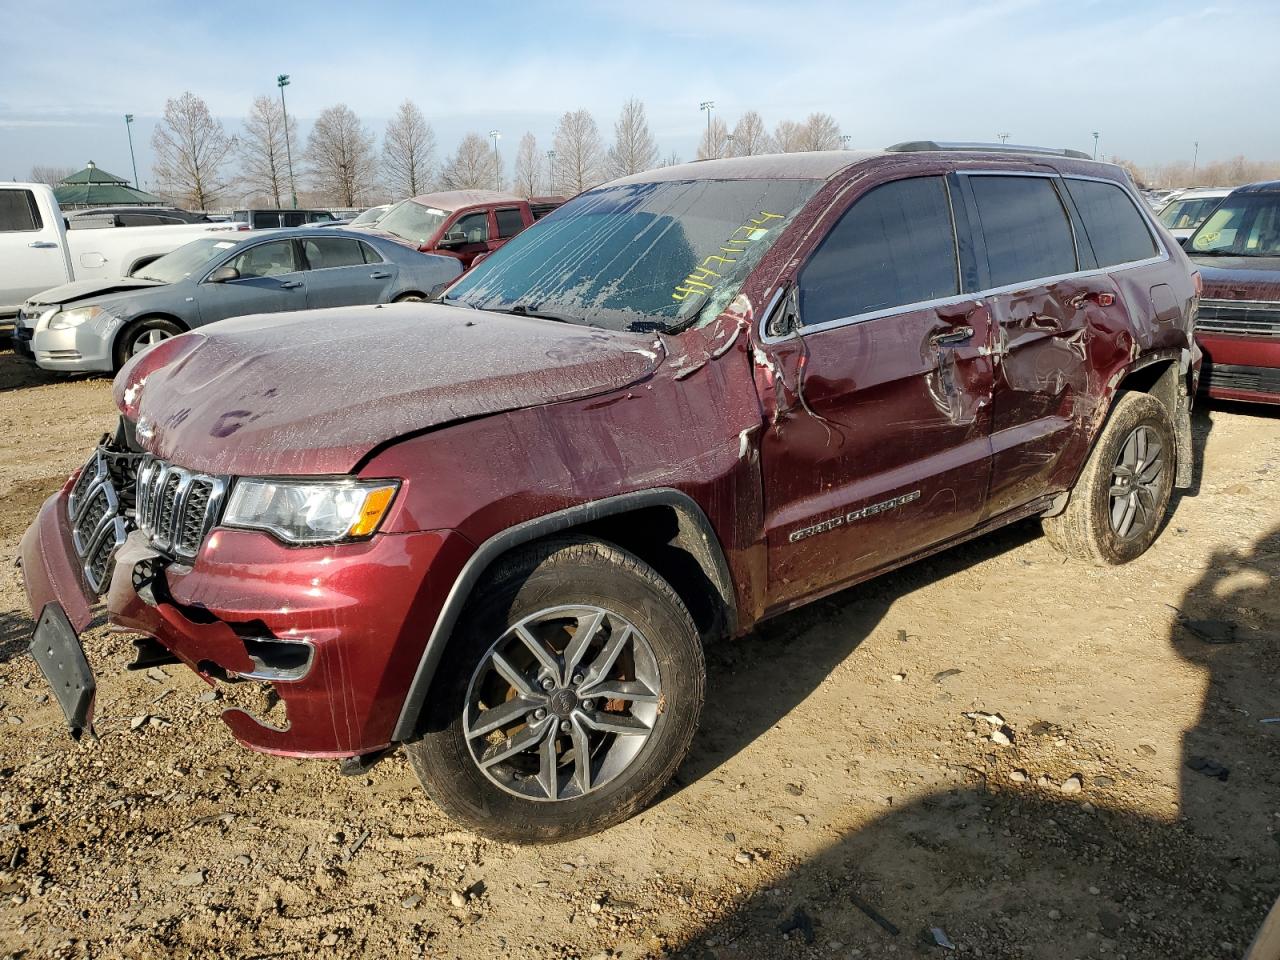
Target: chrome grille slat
(176, 507)
(1243, 318)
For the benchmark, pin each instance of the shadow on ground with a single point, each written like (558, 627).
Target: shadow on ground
(994, 863)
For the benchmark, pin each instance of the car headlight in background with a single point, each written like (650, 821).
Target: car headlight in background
(310, 511)
(73, 318)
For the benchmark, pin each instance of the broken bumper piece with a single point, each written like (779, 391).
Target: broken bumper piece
(329, 636)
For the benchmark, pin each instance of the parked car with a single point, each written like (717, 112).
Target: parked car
(91, 217)
(370, 216)
(497, 530)
(1238, 252)
(1188, 210)
(38, 252)
(466, 224)
(271, 219)
(98, 325)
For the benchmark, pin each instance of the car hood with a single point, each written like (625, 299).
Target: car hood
(80, 289)
(1240, 278)
(314, 392)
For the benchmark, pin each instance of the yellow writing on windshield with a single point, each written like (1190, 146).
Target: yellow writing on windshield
(704, 277)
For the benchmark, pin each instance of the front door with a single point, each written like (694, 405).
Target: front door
(272, 279)
(878, 444)
(469, 236)
(32, 249)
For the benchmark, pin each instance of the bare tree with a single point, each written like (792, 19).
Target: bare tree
(633, 149)
(340, 156)
(263, 151)
(788, 136)
(579, 152)
(409, 151)
(51, 176)
(191, 149)
(471, 167)
(820, 132)
(671, 160)
(715, 141)
(750, 137)
(528, 166)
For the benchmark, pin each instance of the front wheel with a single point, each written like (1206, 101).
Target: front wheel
(567, 698)
(1118, 505)
(142, 336)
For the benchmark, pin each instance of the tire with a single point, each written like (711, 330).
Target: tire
(409, 298)
(145, 333)
(1093, 526)
(516, 800)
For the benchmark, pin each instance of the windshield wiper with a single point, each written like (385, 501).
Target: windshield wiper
(522, 310)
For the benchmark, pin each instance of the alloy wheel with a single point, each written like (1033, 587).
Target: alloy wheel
(148, 339)
(562, 703)
(1135, 483)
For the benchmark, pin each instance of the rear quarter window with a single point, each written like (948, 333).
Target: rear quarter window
(1025, 227)
(1116, 229)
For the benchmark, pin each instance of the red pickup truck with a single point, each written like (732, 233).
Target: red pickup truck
(463, 223)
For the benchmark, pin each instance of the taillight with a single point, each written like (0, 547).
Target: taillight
(1198, 281)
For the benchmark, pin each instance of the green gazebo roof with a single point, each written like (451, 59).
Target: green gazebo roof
(94, 187)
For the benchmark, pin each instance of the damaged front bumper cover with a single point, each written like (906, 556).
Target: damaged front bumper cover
(330, 634)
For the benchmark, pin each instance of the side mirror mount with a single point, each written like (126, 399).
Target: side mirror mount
(224, 273)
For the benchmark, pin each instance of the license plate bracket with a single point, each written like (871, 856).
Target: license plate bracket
(57, 651)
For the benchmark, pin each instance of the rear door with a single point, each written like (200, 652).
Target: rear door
(272, 279)
(880, 446)
(342, 272)
(507, 222)
(1047, 300)
(32, 253)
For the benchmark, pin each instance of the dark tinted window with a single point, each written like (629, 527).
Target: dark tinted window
(292, 218)
(510, 222)
(1115, 227)
(18, 211)
(474, 227)
(326, 252)
(1026, 229)
(894, 246)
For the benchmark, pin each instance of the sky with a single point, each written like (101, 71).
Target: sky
(1151, 78)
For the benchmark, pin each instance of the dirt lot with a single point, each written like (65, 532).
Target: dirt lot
(837, 777)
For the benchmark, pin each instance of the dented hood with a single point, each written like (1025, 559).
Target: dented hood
(313, 392)
(79, 289)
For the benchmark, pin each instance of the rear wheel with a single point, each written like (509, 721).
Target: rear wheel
(409, 298)
(142, 336)
(1118, 505)
(567, 698)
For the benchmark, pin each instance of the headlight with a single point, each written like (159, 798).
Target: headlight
(73, 318)
(310, 511)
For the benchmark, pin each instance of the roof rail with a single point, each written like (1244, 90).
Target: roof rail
(917, 146)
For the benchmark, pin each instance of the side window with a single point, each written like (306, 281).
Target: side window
(1116, 229)
(1025, 227)
(267, 260)
(474, 226)
(893, 247)
(325, 252)
(510, 222)
(18, 211)
(140, 220)
(292, 218)
(370, 255)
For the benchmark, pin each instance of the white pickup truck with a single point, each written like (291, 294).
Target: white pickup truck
(37, 251)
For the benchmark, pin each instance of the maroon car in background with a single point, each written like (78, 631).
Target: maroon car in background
(1238, 252)
(466, 224)
(498, 530)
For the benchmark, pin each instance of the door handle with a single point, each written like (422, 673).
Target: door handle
(379, 275)
(953, 336)
(291, 284)
(43, 244)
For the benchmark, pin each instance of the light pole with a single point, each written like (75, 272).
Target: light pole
(1195, 159)
(128, 125)
(497, 162)
(709, 105)
(1095, 144)
(551, 171)
(1004, 137)
(282, 81)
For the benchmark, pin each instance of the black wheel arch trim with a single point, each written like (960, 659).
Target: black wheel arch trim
(411, 712)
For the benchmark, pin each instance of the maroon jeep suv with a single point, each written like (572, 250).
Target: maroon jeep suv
(497, 530)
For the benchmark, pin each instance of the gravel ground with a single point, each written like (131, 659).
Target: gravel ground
(1038, 758)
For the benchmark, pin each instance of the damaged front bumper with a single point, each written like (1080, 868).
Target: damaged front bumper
(334, 632)
(86, 347)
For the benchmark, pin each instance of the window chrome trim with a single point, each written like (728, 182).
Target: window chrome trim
(979, 295)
